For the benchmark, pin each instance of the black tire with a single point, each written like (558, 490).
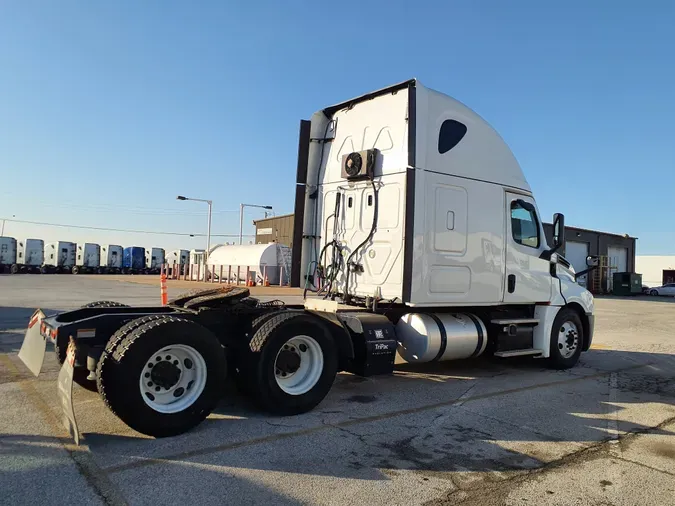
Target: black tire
(104, 362)
(557, 360)
(242, 361)
(653, 293)
(268, 340)
(120, 372)
(14, 269)
(75, 269)
(105, 303)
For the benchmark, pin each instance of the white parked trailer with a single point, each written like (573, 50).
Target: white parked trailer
(259, 260)
(111, 259)
(154, 259)
(174, 261)
(30, 255)
(7, 253)
(59, 256)
(177, 256)
(88, 258)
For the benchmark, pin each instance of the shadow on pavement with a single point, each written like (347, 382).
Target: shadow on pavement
(499, 426)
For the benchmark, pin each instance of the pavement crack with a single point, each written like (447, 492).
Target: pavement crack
(283, 425)
(646, 466)
(595, 450)
(526, 428)
(84, 462)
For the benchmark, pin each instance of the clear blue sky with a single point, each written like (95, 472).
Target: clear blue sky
(110, 109)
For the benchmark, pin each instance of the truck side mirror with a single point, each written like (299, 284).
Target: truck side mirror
(558, 231)
(592, 260)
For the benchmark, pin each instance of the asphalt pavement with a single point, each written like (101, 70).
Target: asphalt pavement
(472, 432)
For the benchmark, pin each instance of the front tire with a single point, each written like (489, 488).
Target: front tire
(567, 338)
(653, 292)
(104, 303)
(294, 363)
(14, 269)
(164, 377)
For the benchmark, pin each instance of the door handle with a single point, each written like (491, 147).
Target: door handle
(512, 283)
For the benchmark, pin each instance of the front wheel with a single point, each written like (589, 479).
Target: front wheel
(293, 363)
(653, 292)
(14, 269)
(104, 303)
(567, 337)
(164, 377)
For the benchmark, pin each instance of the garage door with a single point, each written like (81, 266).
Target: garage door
(618, 261)
(576, 253)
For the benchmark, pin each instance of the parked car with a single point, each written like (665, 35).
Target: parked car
(667, 289)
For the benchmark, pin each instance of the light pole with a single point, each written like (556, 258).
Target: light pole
(2, 232)
(241, 218)
(208, 227)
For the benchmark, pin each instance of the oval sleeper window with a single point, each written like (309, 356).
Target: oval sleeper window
(451, 133)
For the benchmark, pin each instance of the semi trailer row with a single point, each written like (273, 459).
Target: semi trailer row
(417, 235)
(34, 256)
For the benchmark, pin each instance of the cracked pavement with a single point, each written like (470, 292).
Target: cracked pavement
(485, 432)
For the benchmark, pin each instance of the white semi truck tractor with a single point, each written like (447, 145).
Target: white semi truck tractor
(111, 259)
(416, 233)
(88, 258)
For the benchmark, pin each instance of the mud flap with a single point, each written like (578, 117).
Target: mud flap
(65, 393)
(32, 352)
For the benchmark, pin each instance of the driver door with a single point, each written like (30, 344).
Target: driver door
(528, 277)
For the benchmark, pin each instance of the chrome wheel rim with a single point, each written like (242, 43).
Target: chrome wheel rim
(298, 365)
(568, 339)
(173, 378)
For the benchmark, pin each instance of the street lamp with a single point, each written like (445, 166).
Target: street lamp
(208, 228)
(2, 232)
(241, 218)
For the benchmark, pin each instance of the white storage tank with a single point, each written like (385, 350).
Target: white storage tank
(154, 258)
(30, 254)
(260, 259)
(7, 253)
(111, 258)
(60, 256)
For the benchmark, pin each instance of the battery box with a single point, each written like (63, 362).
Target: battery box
(374, 341)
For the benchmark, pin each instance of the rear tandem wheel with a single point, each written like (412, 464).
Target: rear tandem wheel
(163, 377)
(290, 364)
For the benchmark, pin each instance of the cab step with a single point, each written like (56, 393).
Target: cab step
(518, 353)
(516, 321)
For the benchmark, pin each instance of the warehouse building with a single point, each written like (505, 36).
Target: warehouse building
(656, 270)
(617, 252)
(275, 229)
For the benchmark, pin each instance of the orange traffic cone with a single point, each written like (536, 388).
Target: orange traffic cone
(250, 281)
(266, 282)
(162, 290)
